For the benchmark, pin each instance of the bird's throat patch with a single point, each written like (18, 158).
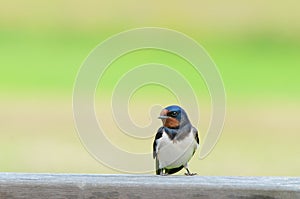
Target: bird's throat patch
(171, 123)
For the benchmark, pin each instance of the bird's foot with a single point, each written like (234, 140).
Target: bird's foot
(163, 174)
(190, 174)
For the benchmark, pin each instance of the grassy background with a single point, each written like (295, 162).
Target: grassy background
(255, 46)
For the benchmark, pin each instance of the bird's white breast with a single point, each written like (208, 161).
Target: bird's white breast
(175, 153)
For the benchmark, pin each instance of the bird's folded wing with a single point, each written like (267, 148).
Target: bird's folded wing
(157, 136)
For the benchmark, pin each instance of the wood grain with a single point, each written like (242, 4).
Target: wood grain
(73, 186)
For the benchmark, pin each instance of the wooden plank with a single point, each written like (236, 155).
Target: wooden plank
(73, 186)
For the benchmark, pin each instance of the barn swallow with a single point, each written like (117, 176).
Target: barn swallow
(175, 142)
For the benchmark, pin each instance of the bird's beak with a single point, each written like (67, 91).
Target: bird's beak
(163, 114)
(163, 117)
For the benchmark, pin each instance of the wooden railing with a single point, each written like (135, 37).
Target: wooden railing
(73, 186)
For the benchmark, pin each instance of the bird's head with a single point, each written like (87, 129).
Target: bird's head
(173, 117)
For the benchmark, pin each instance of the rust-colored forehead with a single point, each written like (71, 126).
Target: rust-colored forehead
(164, 112)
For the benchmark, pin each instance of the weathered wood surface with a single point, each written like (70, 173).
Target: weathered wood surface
(72, 186)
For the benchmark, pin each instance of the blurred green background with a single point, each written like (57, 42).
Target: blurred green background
(256, 47)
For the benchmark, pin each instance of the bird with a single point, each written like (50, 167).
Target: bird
(175, 142)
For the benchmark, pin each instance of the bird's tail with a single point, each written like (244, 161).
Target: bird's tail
(173, 170)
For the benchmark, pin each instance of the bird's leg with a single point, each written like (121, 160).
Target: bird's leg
(188, 173)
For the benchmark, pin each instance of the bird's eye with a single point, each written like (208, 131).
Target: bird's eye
(173, 113)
